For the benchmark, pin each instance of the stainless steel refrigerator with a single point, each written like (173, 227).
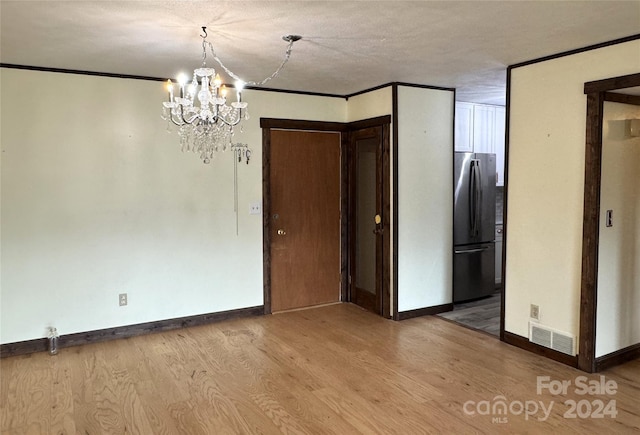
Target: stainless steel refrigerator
(474, 221)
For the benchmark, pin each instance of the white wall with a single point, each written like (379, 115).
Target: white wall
(425, 197)
(97, 199)
(546, 183)
(618, 307)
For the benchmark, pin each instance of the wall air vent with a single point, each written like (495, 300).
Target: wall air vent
(540, 336)
(551, 338)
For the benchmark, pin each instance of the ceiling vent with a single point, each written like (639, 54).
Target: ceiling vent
(551, 338)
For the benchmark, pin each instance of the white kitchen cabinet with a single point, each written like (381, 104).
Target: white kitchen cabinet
(480, 128)
(499, 139)
(464, 127)
(484, 126)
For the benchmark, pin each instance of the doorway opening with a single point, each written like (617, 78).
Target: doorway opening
(369, 219)
(597, 93)
(478, 185)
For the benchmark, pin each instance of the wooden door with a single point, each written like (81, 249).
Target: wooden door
(304, 213)
(369, 220)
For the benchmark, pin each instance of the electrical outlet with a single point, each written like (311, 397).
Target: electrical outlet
(255, 208)
(122, 297)
(534, 312)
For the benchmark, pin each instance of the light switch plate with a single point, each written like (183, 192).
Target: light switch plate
(609, 218)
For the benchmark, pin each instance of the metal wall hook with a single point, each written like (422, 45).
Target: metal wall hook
(204, 29)
(292, 38)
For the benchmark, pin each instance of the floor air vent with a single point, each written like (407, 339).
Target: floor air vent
(548, 337)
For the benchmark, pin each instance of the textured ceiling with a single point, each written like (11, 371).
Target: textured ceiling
(347, 46)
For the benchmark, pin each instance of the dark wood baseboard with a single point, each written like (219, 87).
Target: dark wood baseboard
(618, 357)
(23, 347)
(427, 311)
(524, 343)
(41, 344)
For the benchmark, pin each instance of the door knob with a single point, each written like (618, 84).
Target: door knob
(282, 232)
(377, 219)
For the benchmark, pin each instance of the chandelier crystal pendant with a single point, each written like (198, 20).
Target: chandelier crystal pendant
(200, 109)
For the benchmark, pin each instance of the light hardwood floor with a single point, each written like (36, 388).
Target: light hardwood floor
(330, 370)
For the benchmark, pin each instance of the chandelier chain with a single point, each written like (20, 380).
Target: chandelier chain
(204, 52)
(275, 74)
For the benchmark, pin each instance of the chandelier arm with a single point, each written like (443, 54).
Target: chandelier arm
(175, 123)
(181, 121)
(275, 74)
(229, 123)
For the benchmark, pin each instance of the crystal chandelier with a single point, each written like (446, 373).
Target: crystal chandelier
(200, 110)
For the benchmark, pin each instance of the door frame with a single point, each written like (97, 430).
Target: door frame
(383, 252)
(597, 93)
(268, 124)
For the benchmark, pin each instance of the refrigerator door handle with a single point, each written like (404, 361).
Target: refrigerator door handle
(475, 197)
(470, 251)
(478, 197)
(472, 197)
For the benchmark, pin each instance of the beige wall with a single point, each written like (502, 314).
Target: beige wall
(97, 199)
(618, 315)
(425, 147)
(425, 197)
(370, 105)
(546, 183)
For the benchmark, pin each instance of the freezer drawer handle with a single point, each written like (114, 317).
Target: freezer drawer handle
(470, 251)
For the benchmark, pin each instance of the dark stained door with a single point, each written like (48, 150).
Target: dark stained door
(369, 221)
(304, 218)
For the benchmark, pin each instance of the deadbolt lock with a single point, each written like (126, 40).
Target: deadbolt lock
(281, 232)
(378, 219)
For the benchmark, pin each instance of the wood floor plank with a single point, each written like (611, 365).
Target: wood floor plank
(105, 406)
(8, 413)
(31, 390)
(329, 370)
(80, 360)
(62, 419)
(123, 385)
(271, 384)
(148, 374)
(285, 378)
